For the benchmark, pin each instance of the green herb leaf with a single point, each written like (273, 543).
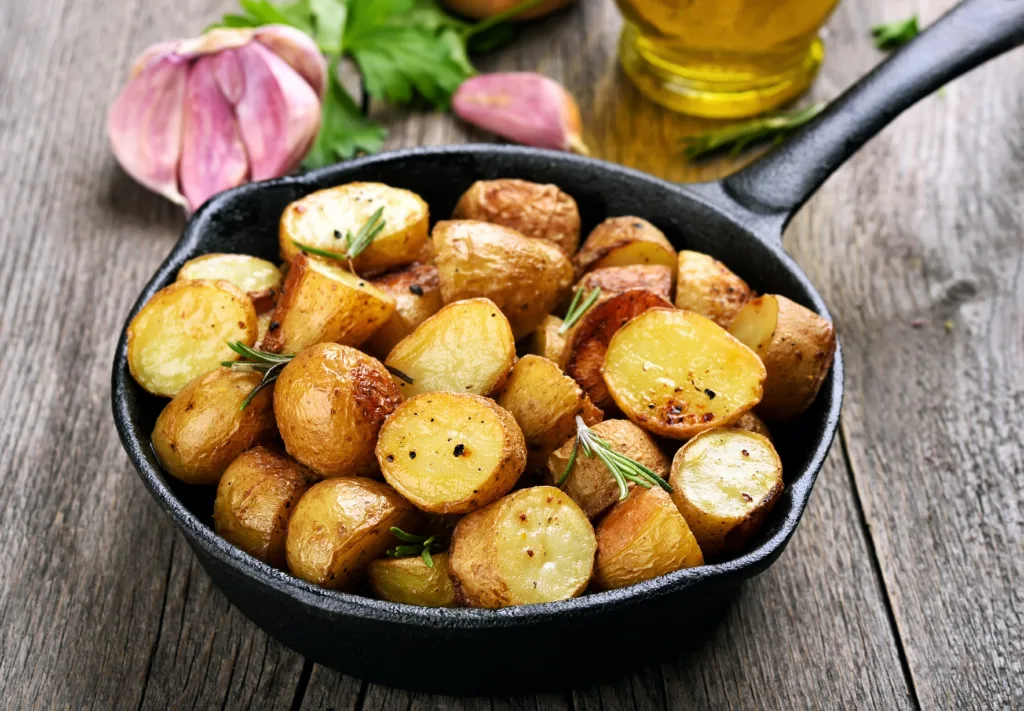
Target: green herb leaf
(576, 309)
(297, 14)
(329, 17)
(354, 244)
(344, 131)
(256, 361)
(738, 136)
(895, 34)
(418, 546)
(406, 537)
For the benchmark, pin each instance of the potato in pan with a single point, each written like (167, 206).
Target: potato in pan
(417, 295)
(412, 582)
(547, 340)
(614, 280)
(258, 278)
(621, 241)
(706, 286)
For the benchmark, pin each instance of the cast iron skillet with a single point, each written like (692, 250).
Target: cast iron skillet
(738, 220)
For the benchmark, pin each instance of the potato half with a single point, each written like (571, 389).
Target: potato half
(417, 294)
(620, 241)
(534, 209)
(706, 286)
(255, 499)
(466, 347)
(322, 219)
(535, 545)
(330, 402)
(412, 582)
(201, 431)
(451, 453)
(546, 340)
(184, 330)
(324, 303)
(340, 525)
(641, 538)
(676, 373)
(258, 278)
(525, 277)
(615, 280)
(797, 347)
(725, 482)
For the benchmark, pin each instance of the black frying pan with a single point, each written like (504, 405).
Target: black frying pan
(738, 220)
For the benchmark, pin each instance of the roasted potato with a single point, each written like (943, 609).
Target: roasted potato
(752, 423)
(641, 538)
(587, 341)
(547, 340)
(255, 499)
(466, 347)
(342, 524)
(330, 402)
(725, 482)
(525, 277)
(797, 347)
(417, 296)
(258, 278)
(324, 303)
(676, 373)
(535, 210)
(621, 241)
(201, 431)
(545, 402)
(615, 280)
(412, 582)
(263, 322)
(322, 220)
(589, 482)
(451, 453)
(706, 286)
(535, 545)
(184, 330)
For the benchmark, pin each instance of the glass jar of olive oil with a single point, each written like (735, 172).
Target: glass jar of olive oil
(722, 58)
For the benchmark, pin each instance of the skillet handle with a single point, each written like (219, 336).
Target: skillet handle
(974, 31)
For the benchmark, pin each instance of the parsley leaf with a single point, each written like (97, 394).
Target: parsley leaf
(895, 34)
(344, 131)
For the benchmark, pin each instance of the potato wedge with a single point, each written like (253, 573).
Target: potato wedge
(451, 453)
(587, 341)
(412, 582)
(201, 431)
(621, 241)
(417, 296)
(255, 500)
(318, 219)
(547, 341)
(752, 423)
(535, 545)
(466, 347)
(330, 402)
(183, 332)
(324, 303)
(676, 373)
(589, 483)
(525, 277)
(641, 538)
(706, 286)
(797, 347)
(263, 322)
(534, 209)
(545, 402)
(258, 278)
(725, 482)
(342, 524)
(615, 280)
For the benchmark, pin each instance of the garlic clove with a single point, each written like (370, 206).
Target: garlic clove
(213, 155)
(297, 49)
(145, 124)
(153, 51)
(279, 114)
(524, 107)
(216, 40)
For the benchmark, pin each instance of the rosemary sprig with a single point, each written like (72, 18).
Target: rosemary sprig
(417, 545)
(622, 468)
(775, 126)
(891, 35)
(354, 244)
(576, 309)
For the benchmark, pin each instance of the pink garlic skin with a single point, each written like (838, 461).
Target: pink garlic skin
(524, 107)
(202, 115)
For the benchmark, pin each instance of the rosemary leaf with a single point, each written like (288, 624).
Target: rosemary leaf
(256, 361)
(418, 546)
(774, 126)
(406, 537)
(354, 244)
(576, 309)
(400, 375)
(569, 465)
(891, 35)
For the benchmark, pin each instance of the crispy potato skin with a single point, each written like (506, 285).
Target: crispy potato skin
(797, 351)
(183, 332)
(314, 219)
(546, 341)
(536, 210)
(340, 525)
(201, 431)
(255, 499)
(725, 483)
(323, 303)
(545, 403)
(615, 280)
(706, 286)
(752, 423)
(641, 538)
(587, 341)
(525, 277)
(589, 483)
(258, 278)
(534, 545)
(330, 402)
(620, 241)
(410, 581)
(451, 453)
(417, 294)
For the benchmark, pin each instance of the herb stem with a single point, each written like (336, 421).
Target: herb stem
(576, 309)
(503, 16)
(738, 136)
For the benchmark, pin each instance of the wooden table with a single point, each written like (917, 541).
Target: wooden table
(903, 586)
